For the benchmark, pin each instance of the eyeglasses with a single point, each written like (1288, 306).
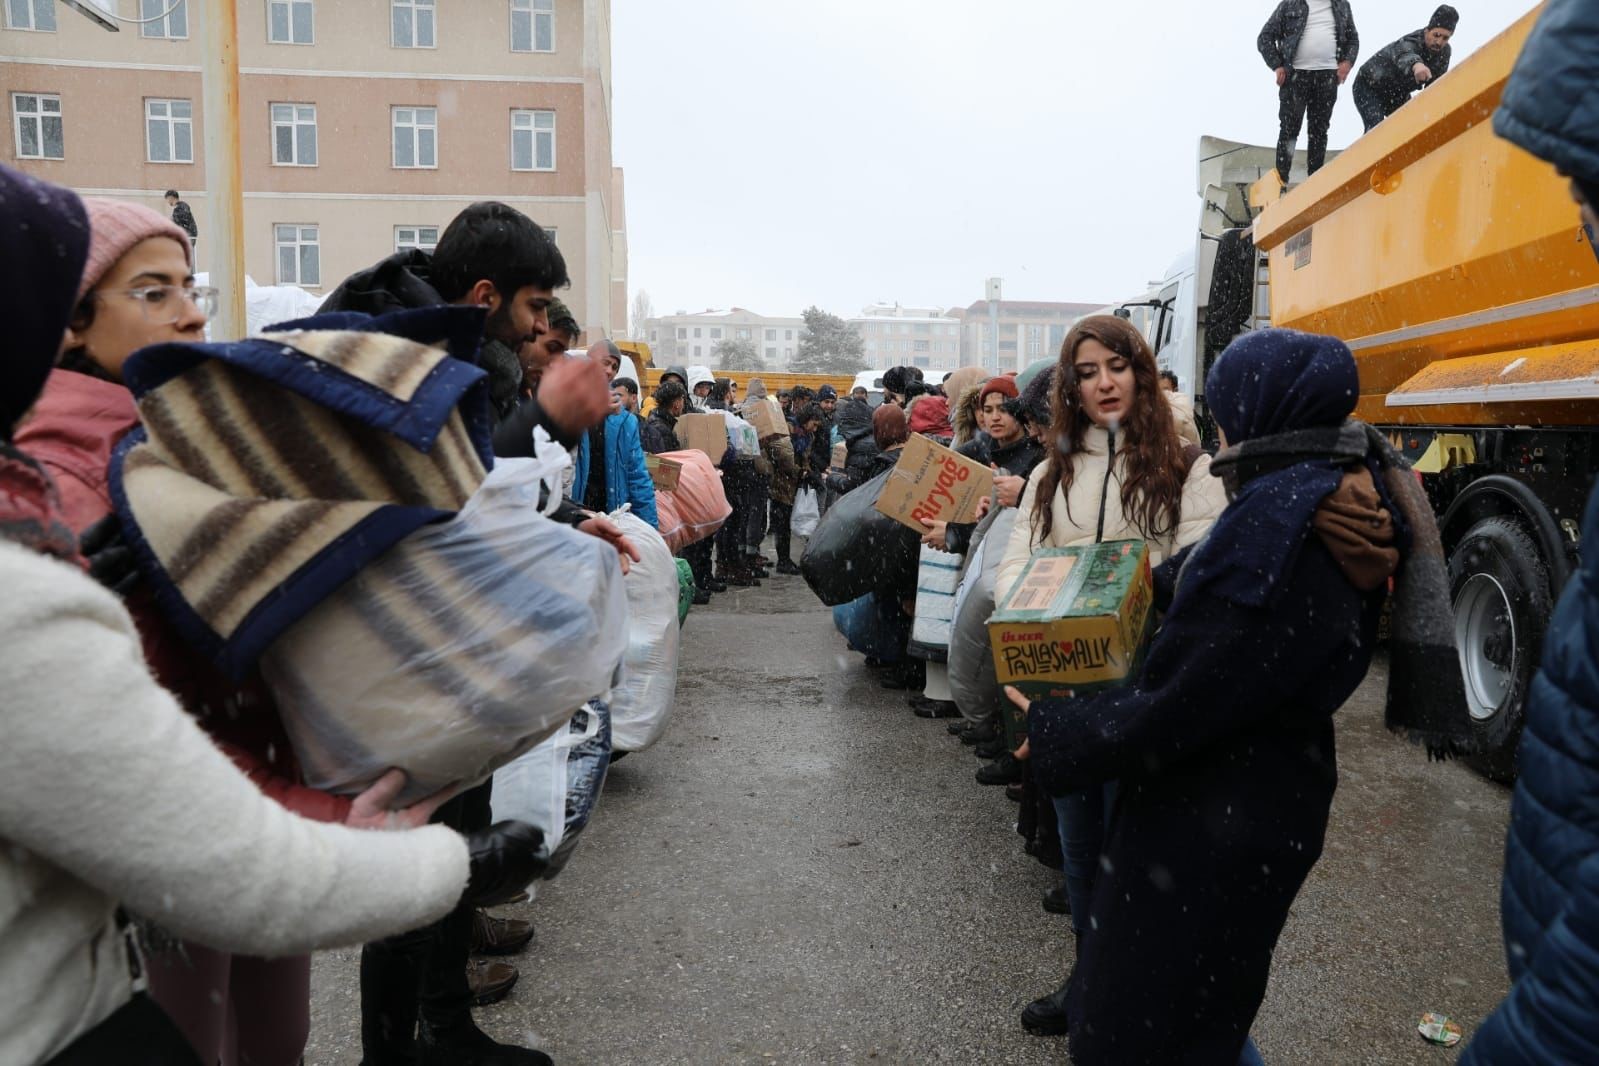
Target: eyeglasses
(162, 305)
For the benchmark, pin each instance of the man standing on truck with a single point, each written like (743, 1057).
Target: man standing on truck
(1387, 79)
(1312, 46)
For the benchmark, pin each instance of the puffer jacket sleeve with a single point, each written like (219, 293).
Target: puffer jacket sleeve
(640, 489)
(1020, 548)
(1204, 499)
(1552, 1012)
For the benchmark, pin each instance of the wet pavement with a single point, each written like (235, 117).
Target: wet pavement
(802, 871)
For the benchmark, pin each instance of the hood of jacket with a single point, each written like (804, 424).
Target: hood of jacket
(963, 413)
(72, 431)
(1549, 107)
(399, 283)
(755, 390)
(700, 375)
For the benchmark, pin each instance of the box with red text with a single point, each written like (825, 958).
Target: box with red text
(934, 482)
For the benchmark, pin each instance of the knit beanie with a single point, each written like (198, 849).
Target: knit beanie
(114, 228)
(1445, 18)
(1005, 386)
(889, 426)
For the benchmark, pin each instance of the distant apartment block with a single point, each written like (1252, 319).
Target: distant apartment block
(685, 339)
(366, 125)
(923, 337)
(1028, 331)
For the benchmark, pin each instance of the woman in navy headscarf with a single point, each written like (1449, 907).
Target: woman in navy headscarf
(1224, 746)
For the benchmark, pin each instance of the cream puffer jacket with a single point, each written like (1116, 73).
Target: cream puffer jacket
(1094, 511)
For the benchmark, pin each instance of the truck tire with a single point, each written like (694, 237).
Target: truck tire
(1499, 585)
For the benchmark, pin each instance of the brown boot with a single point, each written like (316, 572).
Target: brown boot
(489, 981)
(499, 936)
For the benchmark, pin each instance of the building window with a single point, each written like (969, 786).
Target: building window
(924, 346)
(771, 334)
(169, 131)
(38, 126)
(716, 333)
(424, 238)
(38, 15)
(788, 335)
(696, 333)
(771, 353)
(294, 135)
(532, 140)
(290, 22)
(741, 334)
(922, 361)
(416, 138)
(173, 24)
(682, 333)
(532, 25)
(788, 353)
(299, 255)
(699, 353)
(411, 23)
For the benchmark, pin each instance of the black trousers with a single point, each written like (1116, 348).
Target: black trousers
(738, 481)
(1306, 91)
(698, 555)
(782, 518)
(755, 525)
(422, 973)
(139, 1034)
(1377, 100)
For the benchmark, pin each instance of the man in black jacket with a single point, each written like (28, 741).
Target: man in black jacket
(1387, 79)
(1311, 45)
(182, 216)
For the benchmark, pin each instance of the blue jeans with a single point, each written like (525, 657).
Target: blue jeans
(1250, 1055)
(1083, 818)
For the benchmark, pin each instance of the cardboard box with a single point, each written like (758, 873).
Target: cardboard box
(934, 482)
(767, 418)
(1078, 620)
(664, 472)
(705, 433)
(840, 455)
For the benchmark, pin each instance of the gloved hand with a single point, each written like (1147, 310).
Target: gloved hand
(505, 858)
(111, 561)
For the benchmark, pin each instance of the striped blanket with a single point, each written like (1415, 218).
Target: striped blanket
(268, 471)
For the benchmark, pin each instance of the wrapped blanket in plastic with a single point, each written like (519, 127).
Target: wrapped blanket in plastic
(857, 549)
(937, 577)
(641, 702)
(972, 681)
(697, 507)
(459, 648)
(556, 784)
(873, 625)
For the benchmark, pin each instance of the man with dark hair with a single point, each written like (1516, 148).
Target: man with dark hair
(1168, 381)
(1311, 45)
(1387, 79)
(660, 430)
(182, 216)
(626, 389)
(416, 997)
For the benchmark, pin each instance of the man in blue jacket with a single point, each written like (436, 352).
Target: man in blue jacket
(610, 461)
(1311, 46)
(1550, 902)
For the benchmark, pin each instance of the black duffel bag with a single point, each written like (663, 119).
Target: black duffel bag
(857, 549)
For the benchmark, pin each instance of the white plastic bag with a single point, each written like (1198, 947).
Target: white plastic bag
(556, 784)
(641, 702)
(937, 577)
(807, 512)
(456, 650)
(742, 436)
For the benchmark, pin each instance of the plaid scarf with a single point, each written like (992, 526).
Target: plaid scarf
(1277, 483)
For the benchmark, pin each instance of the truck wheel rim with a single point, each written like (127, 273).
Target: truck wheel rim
(1482, 612)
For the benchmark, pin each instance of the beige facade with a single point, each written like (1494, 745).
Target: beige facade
(924, 337)
(371, 143)
(687, 339)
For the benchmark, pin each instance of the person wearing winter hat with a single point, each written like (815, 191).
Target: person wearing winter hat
(1413, 62)
(896, 383)
(98, 755)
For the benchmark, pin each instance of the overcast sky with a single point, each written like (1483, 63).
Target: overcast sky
(781, 153)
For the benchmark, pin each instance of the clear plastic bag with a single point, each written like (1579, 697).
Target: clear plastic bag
(742, 436)
(807, 512)
(459, 648)
(556, 784)
(641, 702)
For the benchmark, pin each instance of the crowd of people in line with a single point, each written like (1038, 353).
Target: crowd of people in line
(167, 870)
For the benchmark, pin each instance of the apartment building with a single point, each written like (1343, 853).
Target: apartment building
(685, 339)
(1028, 331)
(366, 125)
(924, 337)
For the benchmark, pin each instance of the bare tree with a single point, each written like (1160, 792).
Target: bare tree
(643, 311)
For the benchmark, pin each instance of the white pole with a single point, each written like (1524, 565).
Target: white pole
(223, 170)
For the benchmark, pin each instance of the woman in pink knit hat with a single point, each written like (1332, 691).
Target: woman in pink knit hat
(138, 290)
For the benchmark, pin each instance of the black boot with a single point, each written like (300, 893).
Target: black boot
(1005, 770)
(464, 1044)
(1047, 1016)
(908, 674)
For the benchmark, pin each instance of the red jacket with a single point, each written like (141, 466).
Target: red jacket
(72, 431)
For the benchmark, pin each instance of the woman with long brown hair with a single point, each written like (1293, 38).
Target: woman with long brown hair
(1116, 470)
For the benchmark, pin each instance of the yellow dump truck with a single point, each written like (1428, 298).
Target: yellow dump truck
(1457, 268)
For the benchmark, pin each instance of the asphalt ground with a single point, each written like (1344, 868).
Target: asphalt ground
(802, 871)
